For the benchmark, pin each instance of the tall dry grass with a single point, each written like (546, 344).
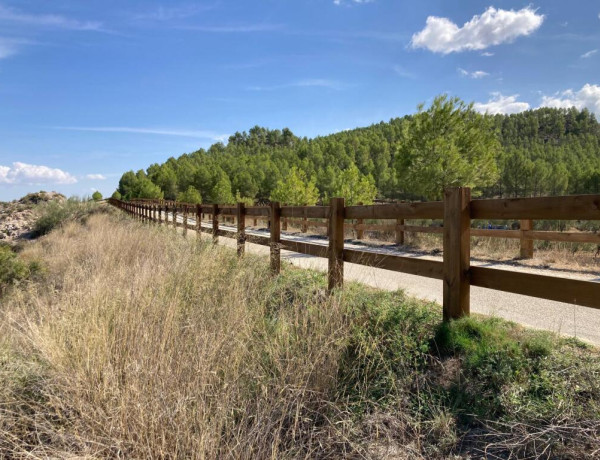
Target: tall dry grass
(150, 346)
(135, 342)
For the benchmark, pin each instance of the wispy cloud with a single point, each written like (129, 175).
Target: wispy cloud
(493, 27)
(27, 174)
(357, 2)
(173, 13)
(235, 28)
(11, 46)
(402, 72)
(49, 20)
(95, 176)
(589, 54)
(476, 74)
(307, 83)
(200, 134)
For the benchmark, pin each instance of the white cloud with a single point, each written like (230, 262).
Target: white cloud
(48, 20)
(402, 72)
(8, 47)
(501, 104)
(167, 13)
(23, 173)
(476, 74)
(158, 131)
(587, 97)
(493, 27)
(589, 54)
(95, 177)
(240, 28)
(487, 54)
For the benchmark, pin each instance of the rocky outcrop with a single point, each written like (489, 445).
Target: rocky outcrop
(17, 217)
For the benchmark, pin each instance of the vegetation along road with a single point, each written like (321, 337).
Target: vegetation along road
(567, 319)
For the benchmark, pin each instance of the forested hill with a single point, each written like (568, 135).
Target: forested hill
(538, 152)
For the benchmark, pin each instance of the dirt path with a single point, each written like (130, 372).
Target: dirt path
(563, 318)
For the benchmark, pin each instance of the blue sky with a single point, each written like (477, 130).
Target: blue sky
(90, 89)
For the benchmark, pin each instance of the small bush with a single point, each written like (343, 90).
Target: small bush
(13, 269)
(53, 214)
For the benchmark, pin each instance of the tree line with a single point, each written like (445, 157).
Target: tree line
(534, 153)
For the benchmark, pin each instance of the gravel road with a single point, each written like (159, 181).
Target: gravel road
(563, 318)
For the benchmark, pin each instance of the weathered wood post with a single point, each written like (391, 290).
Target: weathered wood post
(360, 231)
(457, 252)
(175, 216)
(159, 210)
(304, 228)
(336, 244)
(275, 226)
(215, 223)
(526, 243)
(241, 229)
(284, 222)
(199, 221)
(400, 231)
(185, 219)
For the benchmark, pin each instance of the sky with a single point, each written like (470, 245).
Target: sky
(91, 89)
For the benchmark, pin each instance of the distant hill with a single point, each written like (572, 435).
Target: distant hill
(544, 152)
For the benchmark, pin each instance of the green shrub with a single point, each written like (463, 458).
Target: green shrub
(53, 214)
(13, 269)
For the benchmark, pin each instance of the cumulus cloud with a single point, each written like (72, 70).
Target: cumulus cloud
(587, 97)
(95, 177)
(26, 174)
(501, 104)
(476, 74)
(493, 27)
(589, 54)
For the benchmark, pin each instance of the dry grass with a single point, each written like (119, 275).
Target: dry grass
(153, 346)
(137, 343)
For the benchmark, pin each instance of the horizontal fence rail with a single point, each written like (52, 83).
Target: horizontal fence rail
(456, 211)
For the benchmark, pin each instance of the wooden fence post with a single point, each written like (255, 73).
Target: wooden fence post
(275, 226)
(185, 219)
(159, 214)
(336, 244)
(360, 232)
(526, 243)
(241, 229)
(457, 252)
(304, 227)
(198, 221)
(175, 216)
(284, 222)
(399, 231)
(215, 223)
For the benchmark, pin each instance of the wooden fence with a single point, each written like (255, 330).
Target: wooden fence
(456, 210)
